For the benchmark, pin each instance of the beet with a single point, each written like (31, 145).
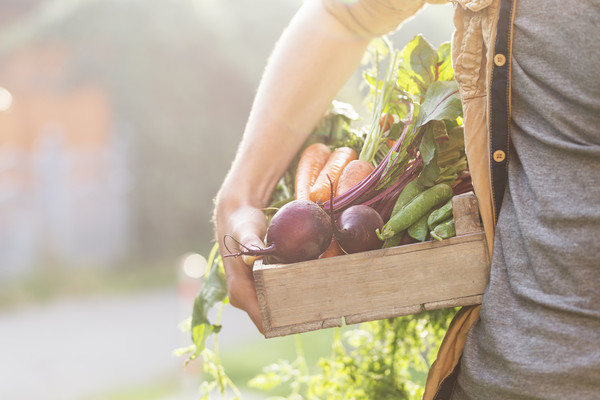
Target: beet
(299, 231)
(356, 227)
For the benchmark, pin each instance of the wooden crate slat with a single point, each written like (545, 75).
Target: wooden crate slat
(383, 314)
(458, 302)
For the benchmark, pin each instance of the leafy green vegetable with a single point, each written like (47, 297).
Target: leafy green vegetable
(444, 69)
(442, 101)
(418, 67)
(212, 292)
(334, 129)
(429, 150)
(419, 91)
(382, 92)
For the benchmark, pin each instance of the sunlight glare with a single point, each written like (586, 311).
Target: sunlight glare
(6, 99)
(194, 265)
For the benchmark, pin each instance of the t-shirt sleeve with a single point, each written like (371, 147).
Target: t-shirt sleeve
(372, 18)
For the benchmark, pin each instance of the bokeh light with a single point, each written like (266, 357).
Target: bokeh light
(6, 99)
(194, 265)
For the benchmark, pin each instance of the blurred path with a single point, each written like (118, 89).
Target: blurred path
(74, 349)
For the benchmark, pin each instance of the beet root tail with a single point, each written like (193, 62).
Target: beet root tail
(244, 250)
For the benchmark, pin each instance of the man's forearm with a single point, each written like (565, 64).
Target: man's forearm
(313, 59)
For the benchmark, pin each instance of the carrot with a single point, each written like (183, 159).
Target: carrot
(312, 161)
(339, 158)
(355, 171)
(333, 250)
(385, 122)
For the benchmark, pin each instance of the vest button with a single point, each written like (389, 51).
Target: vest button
(499, 156)
(499, 59)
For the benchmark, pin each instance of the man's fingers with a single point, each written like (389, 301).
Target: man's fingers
(249, 260)
(242, 295)
(241, 231)
(248, 225)
(251, 242)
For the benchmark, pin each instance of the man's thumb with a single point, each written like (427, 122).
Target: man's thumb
(252, 243)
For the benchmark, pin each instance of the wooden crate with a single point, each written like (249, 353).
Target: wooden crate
(354, 288)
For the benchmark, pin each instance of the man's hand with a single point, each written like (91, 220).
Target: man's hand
(247, 225)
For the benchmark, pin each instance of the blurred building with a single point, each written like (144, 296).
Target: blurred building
(62, 171)
(12, 10)
(121, 119)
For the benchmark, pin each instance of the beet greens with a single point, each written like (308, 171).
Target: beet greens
(419, 93)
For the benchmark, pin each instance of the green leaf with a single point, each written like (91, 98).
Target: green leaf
(442, 101)
(334, 127)
(212, 292)
(451, 172)
(379, 47)
(419, 60)
(344, 109)
(409, 83)
(445, 72)
(396, 130)
(382, 94)
(429, 150)
(455, 142)
(428, 146)
(438, 128)
(369, 79)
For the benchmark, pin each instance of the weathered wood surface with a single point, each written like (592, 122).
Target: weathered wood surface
(378, 284)
(466, 214)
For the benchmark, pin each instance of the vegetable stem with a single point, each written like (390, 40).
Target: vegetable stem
(382, 95)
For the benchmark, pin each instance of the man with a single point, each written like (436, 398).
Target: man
(526, 70)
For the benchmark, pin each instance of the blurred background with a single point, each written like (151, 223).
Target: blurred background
(118, 121)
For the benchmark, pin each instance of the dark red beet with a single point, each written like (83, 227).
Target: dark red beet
(301, 230)
(356, 228)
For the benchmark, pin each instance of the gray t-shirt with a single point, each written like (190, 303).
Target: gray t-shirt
(539, 332)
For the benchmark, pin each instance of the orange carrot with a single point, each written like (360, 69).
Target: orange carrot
(339, 158)
(333, 250)
(354, 172)
(386, 121)
(312, 161)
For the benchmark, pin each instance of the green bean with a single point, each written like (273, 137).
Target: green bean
(419, 230)
(444, 230)
(440, 215)
(419, 206)
(410, 191)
